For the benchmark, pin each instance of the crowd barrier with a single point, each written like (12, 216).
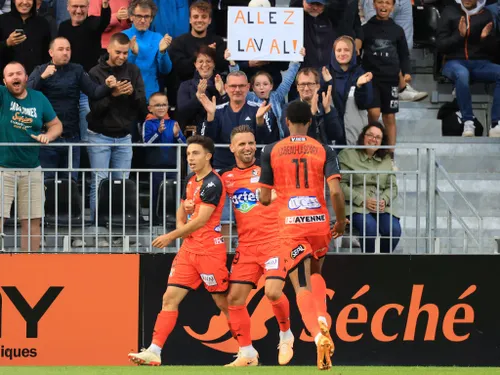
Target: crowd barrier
(127, 218)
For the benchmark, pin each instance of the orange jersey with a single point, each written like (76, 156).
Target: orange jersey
(297, 167)
(256, 223)
(209, 191)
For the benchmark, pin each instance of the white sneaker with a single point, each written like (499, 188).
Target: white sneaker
(495, 131)
(102, 243)
(412, 95)
(285, 351)
(469, 129)
(145, 358)
(78, 243)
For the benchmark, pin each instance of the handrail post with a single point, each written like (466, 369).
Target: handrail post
(430, 222)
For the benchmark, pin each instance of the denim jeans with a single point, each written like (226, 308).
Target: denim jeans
(402, 15)
(58, 157)
(104, 157)
(84, 111)
(461, 72)
(384, 229)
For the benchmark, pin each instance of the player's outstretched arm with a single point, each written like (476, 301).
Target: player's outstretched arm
(338, 202)
(199, 221)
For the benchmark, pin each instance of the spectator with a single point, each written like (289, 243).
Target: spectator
(238, 111)
(349, 79)
(325, 126)
(119, 18)
(23, 112)
(159, 128)
(45, 10)
(84, 35)
(319, 33)
(386, 56)
(61, 82)
(172, 17)
(184, 47)
(262, 91)
(149, 49)
(465, 38)
(4, 6)
(372, 195)
(112, 118)
(28, 47)
(190, 112)
(402, 14)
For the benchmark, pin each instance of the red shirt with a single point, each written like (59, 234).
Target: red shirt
(207, 191)
(297, 167)
(256, 223)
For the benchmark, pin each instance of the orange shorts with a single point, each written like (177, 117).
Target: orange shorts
(299, 248)
(189, 270)
(252, 261)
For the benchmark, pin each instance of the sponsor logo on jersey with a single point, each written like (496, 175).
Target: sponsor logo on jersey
(244, 200)
(218, 228)
(303, 203)
(308, 219)
(255, 172)
(210, 184)
(208, 279)
(297, 251)
(218, 240)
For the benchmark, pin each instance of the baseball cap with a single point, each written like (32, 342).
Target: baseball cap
(323, 2)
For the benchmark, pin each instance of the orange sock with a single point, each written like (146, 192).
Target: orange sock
(318, 287)
(165, 323)
(281, 309)
(305, 302)
(239, 320)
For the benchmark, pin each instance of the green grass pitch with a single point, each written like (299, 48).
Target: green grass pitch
(261, 370)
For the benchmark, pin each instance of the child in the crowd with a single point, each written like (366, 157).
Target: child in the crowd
(262, 91)
(159, 128)
(350, 81)
(385, 55)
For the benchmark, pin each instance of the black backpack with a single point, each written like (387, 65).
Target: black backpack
(452, 123)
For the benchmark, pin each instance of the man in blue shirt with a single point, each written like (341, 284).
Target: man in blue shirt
(148, 49)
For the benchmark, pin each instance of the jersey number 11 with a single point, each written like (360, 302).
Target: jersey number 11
(297, 163)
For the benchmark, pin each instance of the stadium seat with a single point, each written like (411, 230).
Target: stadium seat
(118, 203)
(425, 23)
(58, 203)
(166, 208)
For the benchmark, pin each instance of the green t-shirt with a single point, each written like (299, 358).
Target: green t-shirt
(19, 118)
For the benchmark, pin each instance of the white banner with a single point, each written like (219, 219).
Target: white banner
(265, 34)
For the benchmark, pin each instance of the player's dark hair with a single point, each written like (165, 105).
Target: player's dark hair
(51, 44)
(298, 112)
(158, 93)
(207, 51)
(307, 72)
(241, 129)
(143, 4)
(261, 73)
(119, 38)
(381, 152)
(203, 141)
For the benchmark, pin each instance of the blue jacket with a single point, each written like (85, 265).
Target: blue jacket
(161, 156)
(149, 61)
(277, 97)
(220, 130)
(172, 17)
(63, 91)
(343, 81)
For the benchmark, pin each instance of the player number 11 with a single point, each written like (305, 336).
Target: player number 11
(297, 163)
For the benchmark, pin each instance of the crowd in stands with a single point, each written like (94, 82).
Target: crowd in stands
(121, 71)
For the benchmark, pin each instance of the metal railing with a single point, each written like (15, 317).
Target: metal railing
(65, 231)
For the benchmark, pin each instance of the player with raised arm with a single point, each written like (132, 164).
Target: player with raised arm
(296, 167)
(258, 252)
(202, 256)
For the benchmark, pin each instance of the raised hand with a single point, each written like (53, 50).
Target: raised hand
(364, 79)
(122, 14)
(314, 104)
(202, 87)
(164, 43)
(161, 128)
(326, 74)
(15, 38)
(209, 105)
(486, 30)
(263, 109)
(302, 52)
(213, 45)
(134, 46)
(327, 99)
(219, 85)
(49, 71)
(462, 27)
